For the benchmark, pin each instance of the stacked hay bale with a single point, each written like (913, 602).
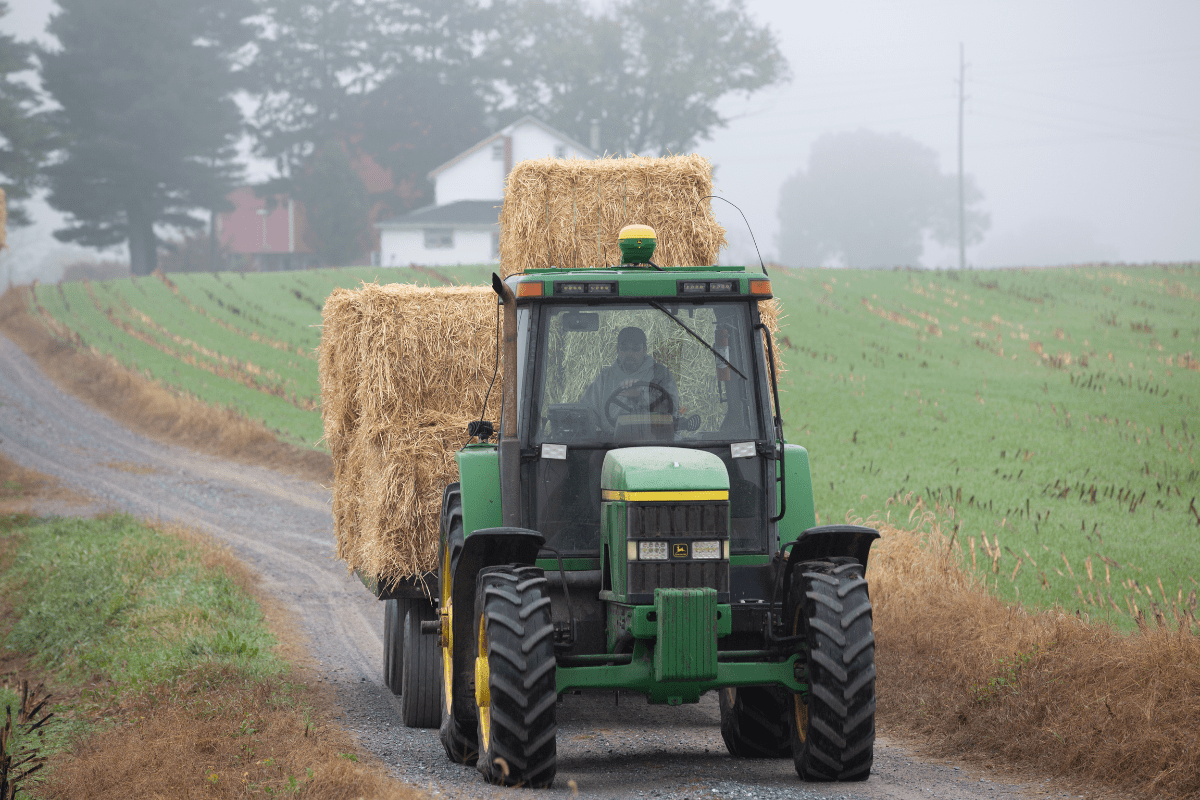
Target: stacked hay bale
(567, 212)
(405, 368)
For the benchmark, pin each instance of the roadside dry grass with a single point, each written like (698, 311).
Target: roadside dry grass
(975, 678)
(20, 488)
(148, 407)
(216, 730)
(215, 734)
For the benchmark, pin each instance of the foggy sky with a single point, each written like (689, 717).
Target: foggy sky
(1082, 122)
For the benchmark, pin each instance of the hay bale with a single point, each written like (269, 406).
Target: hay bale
(567, 212)
(403, 370)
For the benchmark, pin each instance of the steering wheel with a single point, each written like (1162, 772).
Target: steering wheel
(623, 403)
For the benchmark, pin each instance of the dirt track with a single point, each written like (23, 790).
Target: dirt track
(282, 527)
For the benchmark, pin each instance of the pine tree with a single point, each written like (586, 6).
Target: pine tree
(25, 135)
(148, 117)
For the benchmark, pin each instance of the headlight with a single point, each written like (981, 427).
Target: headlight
(652, 551)
(706, 550)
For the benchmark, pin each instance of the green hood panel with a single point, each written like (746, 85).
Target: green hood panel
(658, 469)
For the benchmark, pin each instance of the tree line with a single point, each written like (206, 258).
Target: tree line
(143, 104)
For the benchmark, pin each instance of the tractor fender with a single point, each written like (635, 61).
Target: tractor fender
(832, 541)
(487, 547)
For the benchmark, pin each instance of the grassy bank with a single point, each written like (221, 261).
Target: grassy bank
(966, 674)
(167, 678)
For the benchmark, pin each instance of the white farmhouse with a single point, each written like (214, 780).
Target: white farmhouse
(462, 226)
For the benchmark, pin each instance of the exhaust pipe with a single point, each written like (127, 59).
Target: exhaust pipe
(510, 448)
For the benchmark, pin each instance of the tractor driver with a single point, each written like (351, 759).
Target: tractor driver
(634, 383)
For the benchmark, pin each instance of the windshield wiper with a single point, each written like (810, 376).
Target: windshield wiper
(696, 336)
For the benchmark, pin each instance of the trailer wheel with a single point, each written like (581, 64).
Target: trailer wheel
(754, 722)
(833, 725)
(393, 643)
(515, 690)
(457, 730)
(421, 692)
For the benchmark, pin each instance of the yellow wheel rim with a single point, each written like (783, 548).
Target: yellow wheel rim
(483, 696)
(448, 646)
(800, 708)
(801, 712)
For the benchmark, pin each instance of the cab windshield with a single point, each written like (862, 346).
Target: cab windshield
(626, 375)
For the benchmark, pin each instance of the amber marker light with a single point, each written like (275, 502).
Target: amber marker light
(529, 289)
(760, 287)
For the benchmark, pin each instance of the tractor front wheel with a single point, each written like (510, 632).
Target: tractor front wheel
(515, 690)
(833, 726)
(754, 722)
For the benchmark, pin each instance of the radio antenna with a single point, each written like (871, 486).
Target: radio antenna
(760, 259)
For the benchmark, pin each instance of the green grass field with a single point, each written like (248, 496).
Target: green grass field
(1053, 410)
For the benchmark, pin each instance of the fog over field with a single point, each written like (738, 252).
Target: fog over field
(1081, 126)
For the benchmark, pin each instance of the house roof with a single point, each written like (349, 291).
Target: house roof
(507, 129)
(473, 213)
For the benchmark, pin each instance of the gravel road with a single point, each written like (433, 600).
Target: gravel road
(282, 527)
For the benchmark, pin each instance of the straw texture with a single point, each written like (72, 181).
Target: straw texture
(403, 370)
(567, 212)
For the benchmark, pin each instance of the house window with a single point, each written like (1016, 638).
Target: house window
(498, 151)
(439, 238)
(560, 151)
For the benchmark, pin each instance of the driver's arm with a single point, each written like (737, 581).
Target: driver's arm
(594, 396)
(672, 390)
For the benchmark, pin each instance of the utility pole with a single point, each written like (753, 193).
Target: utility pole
(962, 212)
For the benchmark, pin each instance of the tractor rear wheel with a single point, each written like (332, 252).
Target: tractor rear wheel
(515, 690)
(754, 722)
(833, 726)
(421, 692)
(457, 730)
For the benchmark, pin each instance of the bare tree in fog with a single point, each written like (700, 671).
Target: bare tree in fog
(145, 89)
(651, 72)
(393, 81)
(869, 200)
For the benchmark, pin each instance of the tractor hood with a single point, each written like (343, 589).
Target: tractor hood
(659, 469)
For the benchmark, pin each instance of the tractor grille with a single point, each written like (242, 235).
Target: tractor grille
(678, 522)
(691, 520)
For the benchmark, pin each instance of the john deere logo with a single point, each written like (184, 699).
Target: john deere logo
(679, 550)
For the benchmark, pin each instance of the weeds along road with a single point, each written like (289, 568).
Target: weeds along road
(282, 527)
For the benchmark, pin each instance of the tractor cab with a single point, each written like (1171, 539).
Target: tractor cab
(684, 372)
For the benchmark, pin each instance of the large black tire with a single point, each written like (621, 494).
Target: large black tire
(421, 693)
(457, 731)
(833, 726)
(393, 642)
(515, 687)
(754, 722)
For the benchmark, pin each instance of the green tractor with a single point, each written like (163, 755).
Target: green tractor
(640, 525)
